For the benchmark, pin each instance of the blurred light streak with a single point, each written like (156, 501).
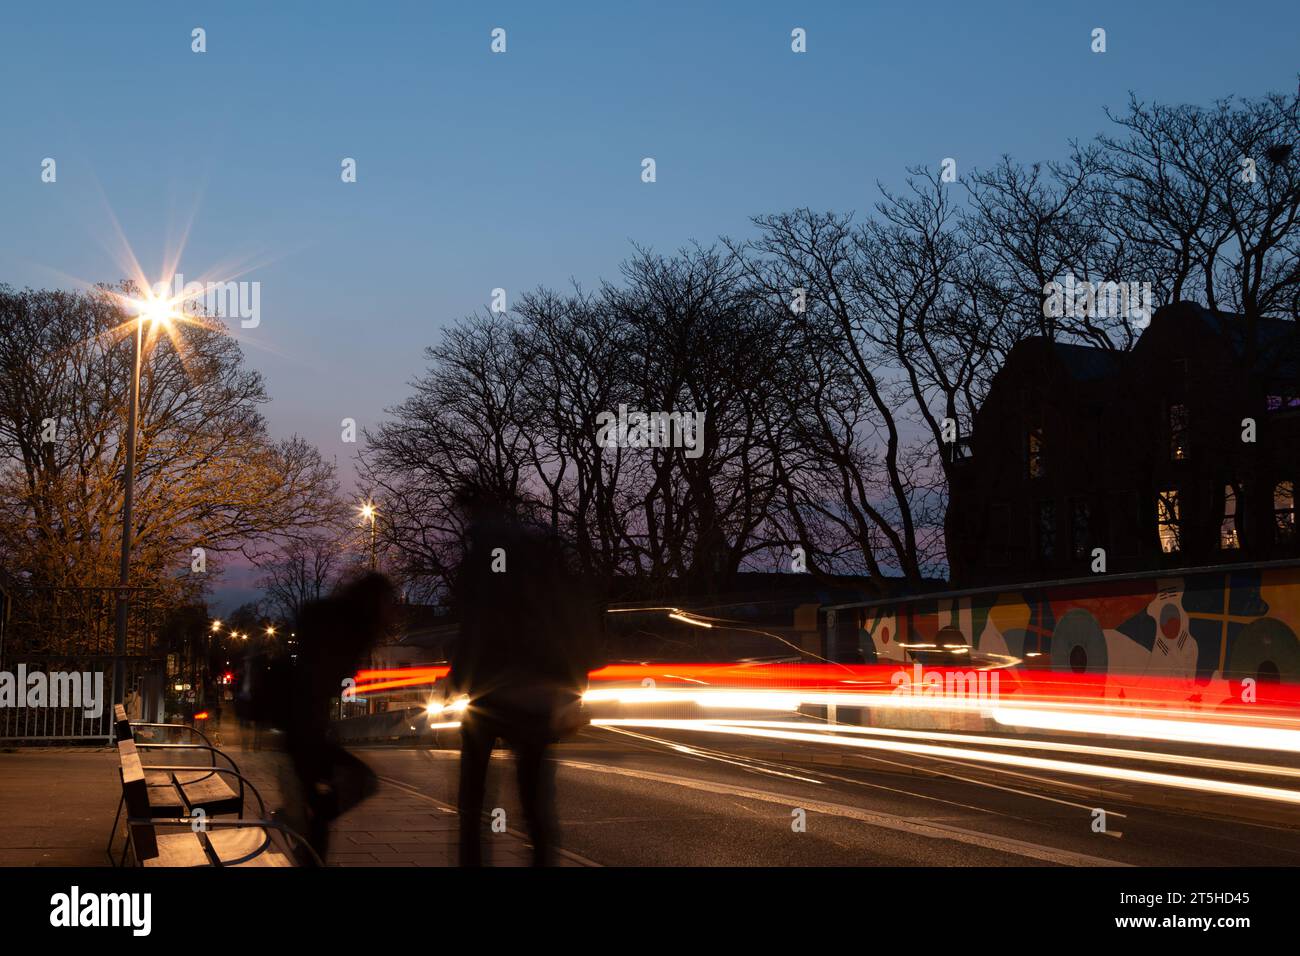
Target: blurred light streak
(685, 619)
(1117, 753)
(1177, 781)
(702, 697)
(1046, 701)
(1149, 728)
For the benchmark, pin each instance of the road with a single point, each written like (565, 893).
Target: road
(633, 797)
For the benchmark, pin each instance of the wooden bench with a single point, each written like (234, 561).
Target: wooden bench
(175, 789)
(198, 841)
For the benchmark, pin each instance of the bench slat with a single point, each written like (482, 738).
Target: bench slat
(186, 850)
(213, 795)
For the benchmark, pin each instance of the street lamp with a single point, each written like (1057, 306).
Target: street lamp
(368, 513)
(156, 311)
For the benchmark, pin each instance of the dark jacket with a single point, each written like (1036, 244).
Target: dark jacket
(528, 632)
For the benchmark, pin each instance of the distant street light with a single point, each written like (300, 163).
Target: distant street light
(368, 513)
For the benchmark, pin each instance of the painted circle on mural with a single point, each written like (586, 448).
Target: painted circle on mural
(1266, 650)
(1078, 644)
(884, 634)
(1171, 622)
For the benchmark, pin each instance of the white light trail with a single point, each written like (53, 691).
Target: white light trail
(1176, 781)
(1117, 753)
(1149, 728)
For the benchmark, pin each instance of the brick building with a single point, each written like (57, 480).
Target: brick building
(1182, 452)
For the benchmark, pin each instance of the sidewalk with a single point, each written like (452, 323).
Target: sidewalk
(58, 805)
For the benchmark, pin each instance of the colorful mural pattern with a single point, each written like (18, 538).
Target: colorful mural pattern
(1199, 628)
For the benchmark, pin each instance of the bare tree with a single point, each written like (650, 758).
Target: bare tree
(514, 403)
(465, 420)
(1214, 194)
(696, 345)
(1046, 223)
(576, 374)
(302, 570)
(863, 476)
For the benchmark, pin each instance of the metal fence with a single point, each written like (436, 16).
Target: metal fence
(57, 656)
(63, 699)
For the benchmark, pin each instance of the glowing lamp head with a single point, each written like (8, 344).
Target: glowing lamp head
(156, 310)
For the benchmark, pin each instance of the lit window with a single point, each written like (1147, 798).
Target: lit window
(1167, 521)
(1284, 511)
(1228, 537)
(1177, 432)
(1034, 449)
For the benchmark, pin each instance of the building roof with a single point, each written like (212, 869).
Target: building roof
(1087, 363)
(1276, 338)
(1278, 341)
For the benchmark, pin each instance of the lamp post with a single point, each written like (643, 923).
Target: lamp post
(155, 310)
(123, 597)
(368, 513)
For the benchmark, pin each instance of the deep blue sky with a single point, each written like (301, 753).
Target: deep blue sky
(479, 170)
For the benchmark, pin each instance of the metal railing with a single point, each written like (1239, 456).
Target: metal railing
(58, 643)
(68, 699)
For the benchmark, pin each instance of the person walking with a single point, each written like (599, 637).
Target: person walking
(527, 639)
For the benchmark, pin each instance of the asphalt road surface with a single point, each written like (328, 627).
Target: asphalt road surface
(633, 797)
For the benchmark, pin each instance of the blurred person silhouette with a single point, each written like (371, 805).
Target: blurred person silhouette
(527, 640)
(293, 694)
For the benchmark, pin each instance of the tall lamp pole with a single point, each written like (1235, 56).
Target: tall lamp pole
(158, 311)
(368, 512)
(123, 595)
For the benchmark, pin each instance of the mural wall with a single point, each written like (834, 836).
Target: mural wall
(1198, 630)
